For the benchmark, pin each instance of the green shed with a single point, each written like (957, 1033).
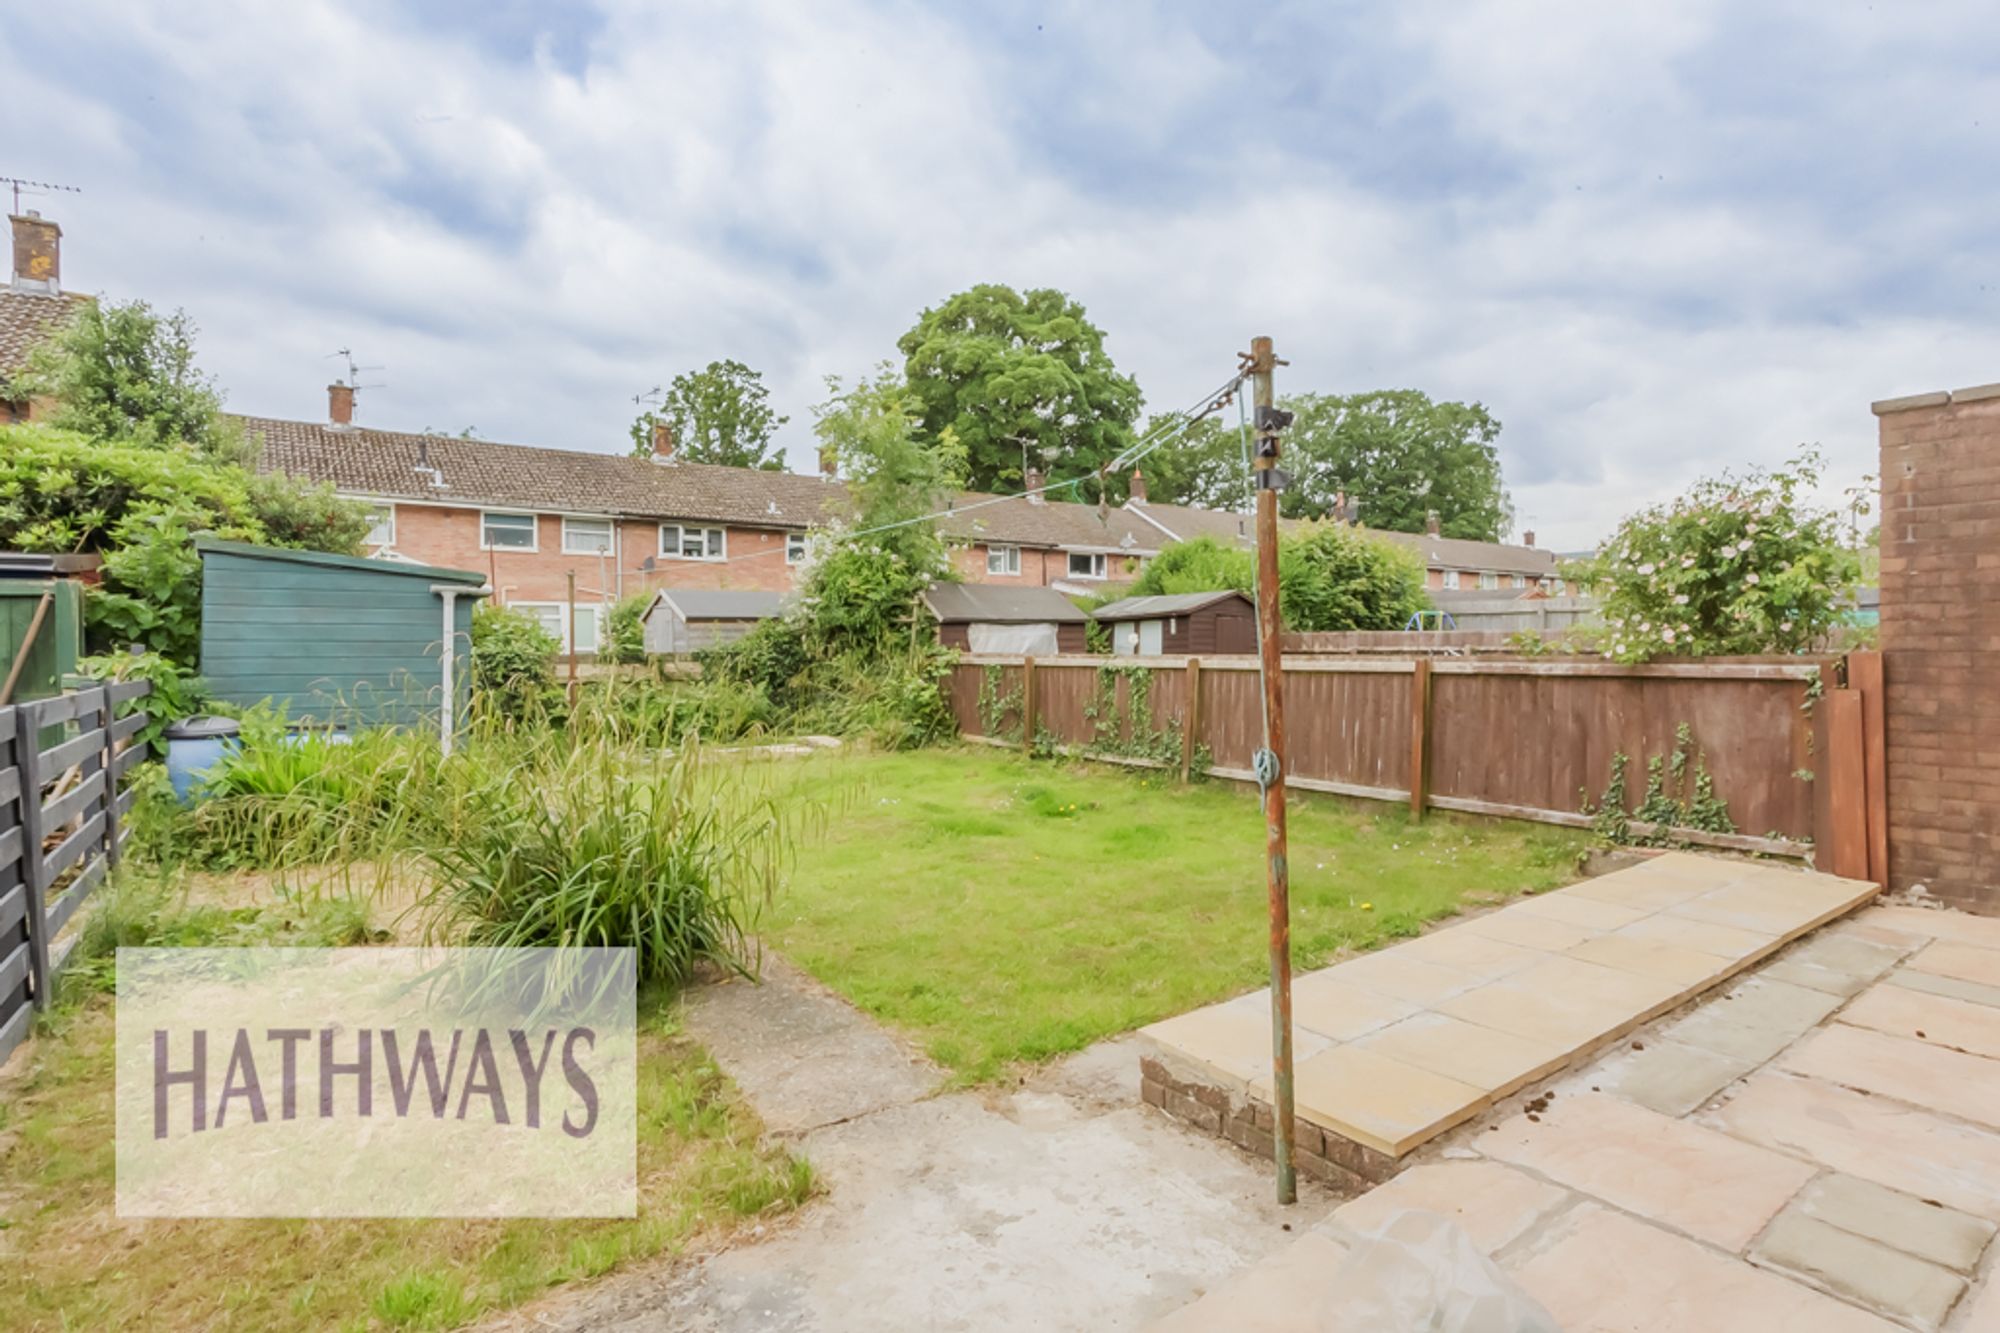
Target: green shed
(58, 641)
(336, 638)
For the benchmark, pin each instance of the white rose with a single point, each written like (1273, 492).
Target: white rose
(1681, 599)
(1668, 636)
(1752, 580)
(1646, 568)
(1687, 562)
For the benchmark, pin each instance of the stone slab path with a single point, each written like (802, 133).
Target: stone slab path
(1395, 1047)
(1815, 1147)
(1061, 1204)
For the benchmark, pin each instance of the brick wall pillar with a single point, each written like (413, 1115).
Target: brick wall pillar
(1941, 642)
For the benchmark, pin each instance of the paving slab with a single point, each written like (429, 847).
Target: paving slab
(1940, 924)
(1982, 1310)
(1531, 930)
(1941, 1020)
(804, 1056)
(1871, 1274)
(1577, 910)
(1497, 1062)
(1754, 1020)
(1598, 1271)
(1679, 1174)
(1702, 936)
(1325, 1004)
(1281, 1294)
(1888, 1142)
(1667, 1076)
(1652, 958)
(1963, 962)
(1932, 984)
(1836, 964)
(1231, 1042)
(1377, 1101)
(1928, 1230)
(1495, 1203)
(1951, 1082)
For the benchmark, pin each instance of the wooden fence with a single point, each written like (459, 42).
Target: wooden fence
(1792, 746)
(61, 806)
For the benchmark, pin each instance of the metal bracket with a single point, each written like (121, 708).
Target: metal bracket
(1272, 478)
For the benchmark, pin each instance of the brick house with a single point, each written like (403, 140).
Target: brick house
(1453, 564)
(33, 305)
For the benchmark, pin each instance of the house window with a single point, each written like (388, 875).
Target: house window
(1451, 579)
(1489, 581)
(586, 536)
(1003, 560)
(551, 615)
(1520, 581)
(684, 543)
(382, 526)
(1086, 566)
(506, 532)
(795, 547)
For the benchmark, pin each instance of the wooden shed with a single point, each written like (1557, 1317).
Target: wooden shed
(680, 620)
(983, 618)
(1204, 623)
(336, 638)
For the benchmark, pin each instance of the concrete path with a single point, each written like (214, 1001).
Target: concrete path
(1817, 1147)
(1060, 1204)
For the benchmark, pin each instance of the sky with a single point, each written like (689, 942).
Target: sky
(1656, 240)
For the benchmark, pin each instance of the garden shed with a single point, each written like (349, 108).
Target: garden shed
(336, 638)
(982, 618)
(41, 627)
(680, 620)
(1190, 622)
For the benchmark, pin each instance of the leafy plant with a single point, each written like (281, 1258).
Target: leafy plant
(177, 692)
(1740, 564)
(1330, 577)
(513, 662)
(1679, 797)
(625, 643)
(118, 371)
(718, 414)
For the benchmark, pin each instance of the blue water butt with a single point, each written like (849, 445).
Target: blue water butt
(195, 745)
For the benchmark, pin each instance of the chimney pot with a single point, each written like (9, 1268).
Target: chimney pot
(1031, 483)
(37, 253)
(1138, 486)
(1432, 526)
(1528, 537)
(340, 403)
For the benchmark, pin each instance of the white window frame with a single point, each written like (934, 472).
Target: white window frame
(1489, 582)
(1520, 581)
(1009, 558)
(564, 630)
(1451, 579)
(610, 536)
(681, 530)
(385, 516)
(534, 530)
(1100, 564)
(794, 554)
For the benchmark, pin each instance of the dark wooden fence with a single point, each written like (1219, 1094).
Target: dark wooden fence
(61, 804)
(1792, 745)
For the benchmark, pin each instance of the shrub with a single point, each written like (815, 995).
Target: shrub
(513, 662)
(1330, 577)
(626, 641)
(177, 692)
(1740, 564)
(307, 515)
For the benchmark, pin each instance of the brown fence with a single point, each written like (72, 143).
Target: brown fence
(1526, 739)
(61, 760)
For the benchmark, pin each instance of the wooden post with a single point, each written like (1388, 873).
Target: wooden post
(1847, 785)
(1191, 728)
(1865, 677)
(105, 760)
(1027, 705)
(1271, 763)
(34, 867)
(1420, 739)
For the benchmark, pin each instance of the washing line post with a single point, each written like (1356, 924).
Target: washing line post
(1270, 763)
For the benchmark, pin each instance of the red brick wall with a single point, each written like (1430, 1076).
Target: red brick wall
(1941, 642)
(1039, 568)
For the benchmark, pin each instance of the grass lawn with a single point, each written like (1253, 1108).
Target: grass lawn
(67, 1261)
(1007, 910)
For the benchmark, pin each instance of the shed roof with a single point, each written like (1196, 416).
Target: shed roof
(1459, 553)
(1171, 604)
(953, 603)
(286, 555)
(719, 603)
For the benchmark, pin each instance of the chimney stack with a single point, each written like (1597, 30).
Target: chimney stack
(1431, 524)
(1031, 482)
(1138, 486)
(340, 404)
(663, 441)
(1528, 537)
(37, 254)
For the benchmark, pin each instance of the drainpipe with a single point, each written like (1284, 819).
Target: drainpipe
(449, 593)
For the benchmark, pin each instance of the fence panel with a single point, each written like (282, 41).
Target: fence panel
(60, 831)
(1533, 739)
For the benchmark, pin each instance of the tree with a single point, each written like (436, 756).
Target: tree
(1203, 467)
(1023, 381)
(1739, 564)
(718, 414)
(894, 475)
(1330, 577)
(118, 371)
(1399, 455)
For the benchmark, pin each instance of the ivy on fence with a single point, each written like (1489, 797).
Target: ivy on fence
(1680, 798)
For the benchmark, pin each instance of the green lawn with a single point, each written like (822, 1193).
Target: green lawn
(1006, 910)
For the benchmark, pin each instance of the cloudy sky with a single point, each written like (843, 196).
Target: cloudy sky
(1655, 239)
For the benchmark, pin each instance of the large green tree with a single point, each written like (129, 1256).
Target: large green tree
(1330, 577)
(718, 414)
(1400, 456)
(1023, 381)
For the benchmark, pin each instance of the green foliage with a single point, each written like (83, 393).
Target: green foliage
(1739, 564)
(177, 692)
(1129, 731)
(307, 516)
(1014, 375)
(513, 661)
(118, 371)
(1680, 796)
(1330, 577)
(625, 643)
(719, 414)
